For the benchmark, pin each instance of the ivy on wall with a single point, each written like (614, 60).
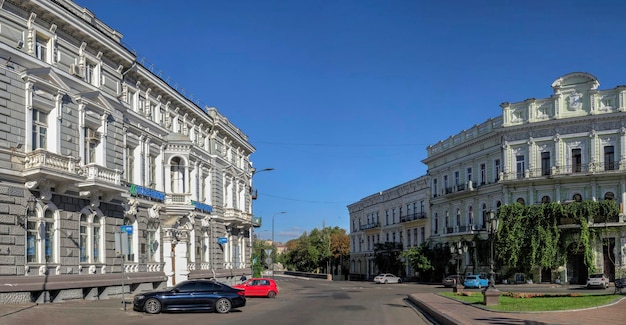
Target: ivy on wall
(529, 236)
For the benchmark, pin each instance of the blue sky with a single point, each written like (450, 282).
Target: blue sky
(342, 97)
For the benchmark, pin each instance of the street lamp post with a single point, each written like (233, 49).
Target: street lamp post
(273, 243)
(491, 294)
(458, 249)
(254, 172)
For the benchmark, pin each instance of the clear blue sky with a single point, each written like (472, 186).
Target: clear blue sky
(342, 97)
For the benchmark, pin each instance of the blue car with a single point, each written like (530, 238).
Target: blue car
(475, 281)
(191, 295)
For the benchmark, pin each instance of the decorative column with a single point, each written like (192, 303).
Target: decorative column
(169, 256)
(180, 250)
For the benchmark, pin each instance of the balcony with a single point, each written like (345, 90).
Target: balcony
(370, 226)
(566, 170)
(413, 216)
(44, 164)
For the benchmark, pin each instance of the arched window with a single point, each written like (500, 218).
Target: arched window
(436, 223)
(521, 201)
(609, 196)
(545, 199)
(577, 198)
(458, 217)
(471, 215)
(41, 238)
(177, 175)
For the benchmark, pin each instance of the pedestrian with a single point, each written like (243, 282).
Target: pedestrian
(243, 278)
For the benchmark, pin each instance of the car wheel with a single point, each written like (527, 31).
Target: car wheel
(479, 286)
(386, 281)
(223, 305)
(271, 294)
(399, 281)
(152, 306)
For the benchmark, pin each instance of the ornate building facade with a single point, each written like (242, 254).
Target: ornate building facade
(107, 168)
(568, 147)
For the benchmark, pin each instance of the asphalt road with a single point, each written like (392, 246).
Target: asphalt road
(300, 301)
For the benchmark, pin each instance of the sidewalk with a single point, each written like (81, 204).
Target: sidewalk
(447, 311)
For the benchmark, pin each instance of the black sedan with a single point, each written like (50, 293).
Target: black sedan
(191, 295)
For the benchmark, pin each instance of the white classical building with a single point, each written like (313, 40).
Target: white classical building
(106, 168)
(568, 147)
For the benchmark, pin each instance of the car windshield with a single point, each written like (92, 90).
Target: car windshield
(596, 276)
(471, 278)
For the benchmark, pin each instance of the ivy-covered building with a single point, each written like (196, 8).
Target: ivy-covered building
(568, 149)
(107, 168)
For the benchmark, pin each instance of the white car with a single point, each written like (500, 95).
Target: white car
(598, 280)
(387, 278)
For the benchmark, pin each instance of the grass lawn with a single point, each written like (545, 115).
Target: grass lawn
(535, 302)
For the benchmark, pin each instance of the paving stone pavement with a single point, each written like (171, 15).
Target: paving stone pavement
(447, 311)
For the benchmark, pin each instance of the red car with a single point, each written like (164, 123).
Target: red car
(259, 287)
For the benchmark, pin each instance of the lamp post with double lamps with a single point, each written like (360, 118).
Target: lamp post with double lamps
(491, 295)
(458, 249)
(274, 243)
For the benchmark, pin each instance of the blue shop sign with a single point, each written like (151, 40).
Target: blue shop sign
(202, 207)
(127, 229)
(222, 240)
(136, 190)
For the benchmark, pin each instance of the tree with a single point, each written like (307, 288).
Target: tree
(387, 257)
(416, 258)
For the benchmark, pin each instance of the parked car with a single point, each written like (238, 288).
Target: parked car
(259, 287)
(597, 280)
(387, 278)
(451, 280)
(475, 281)
(191, 295)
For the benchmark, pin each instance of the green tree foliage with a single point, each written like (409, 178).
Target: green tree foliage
(529, 236)
(316, 251)
(387, 257)
(259, 256)
(416, 258)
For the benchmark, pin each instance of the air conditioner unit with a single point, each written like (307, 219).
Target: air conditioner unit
(74, 69)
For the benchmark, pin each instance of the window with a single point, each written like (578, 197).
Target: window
(496, 168)
(90, 239)
(393, 216)
(545, 199)
(471, 215)
(434, 187)
(484, 219)
(40, 239)
(40, 129)
(153, 243)
(521, 201)
(130, 164)
(91, 73)
(469, 174)
(91, 144)
(609, 196)
(445, 183)
(458, 217)
(577, 198)
(520, 165)
(609, 158)
(386, 217)
(576, 160)
(177, 176)
(483, 174)
(152, 171)
(456, 178)
(436, 226)
(545, 163)
(41, 47)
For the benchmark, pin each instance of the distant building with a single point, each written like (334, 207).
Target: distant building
(103, 161)
(568, 147)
